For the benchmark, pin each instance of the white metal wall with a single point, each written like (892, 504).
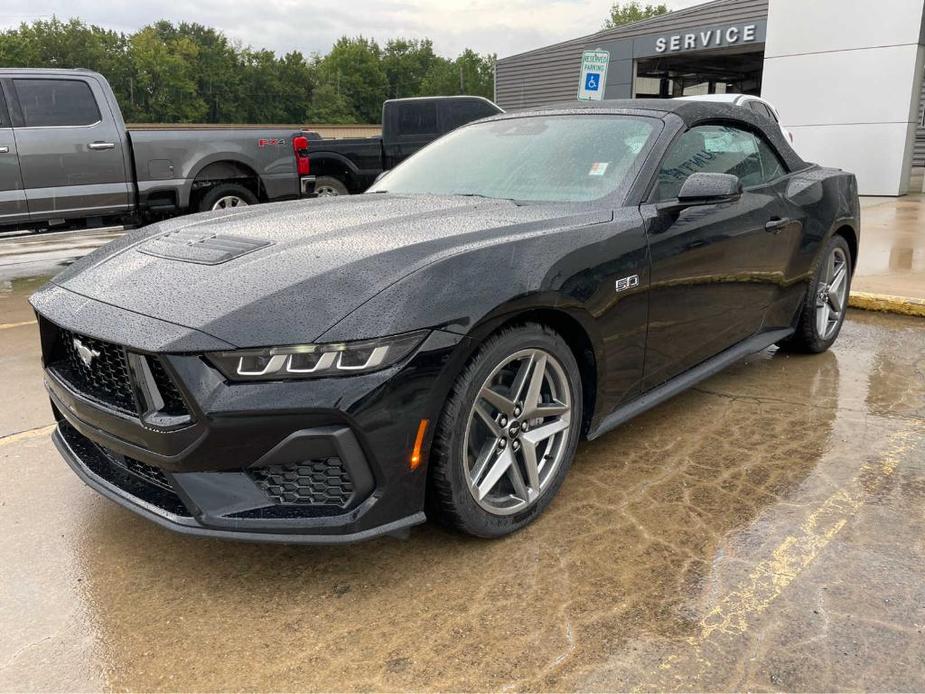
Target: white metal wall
(918, 157)
(847, 76)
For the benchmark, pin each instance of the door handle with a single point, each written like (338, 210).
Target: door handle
(101, 145)
(776, 224)
(4, 149)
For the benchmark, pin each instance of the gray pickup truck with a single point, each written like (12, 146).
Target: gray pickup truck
(67, 159)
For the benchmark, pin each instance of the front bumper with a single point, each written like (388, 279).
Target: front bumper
(171, 513)
(321, 461)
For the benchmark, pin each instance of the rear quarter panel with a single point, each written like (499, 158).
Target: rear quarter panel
(171, 159)
(825, 201)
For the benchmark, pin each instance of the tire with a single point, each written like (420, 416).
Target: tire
(226, 196)
(459, 475)
(328, 186)
(819, 322)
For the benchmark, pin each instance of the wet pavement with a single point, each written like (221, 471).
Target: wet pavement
(763, 531)
(892, 257)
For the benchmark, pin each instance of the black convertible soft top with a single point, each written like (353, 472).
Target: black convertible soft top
(691, 112)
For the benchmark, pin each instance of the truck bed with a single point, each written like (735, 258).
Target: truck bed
(174, 157)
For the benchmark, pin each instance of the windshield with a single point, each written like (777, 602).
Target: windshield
(536, 158)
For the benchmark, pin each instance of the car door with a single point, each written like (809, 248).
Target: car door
(70, 149)
(13, 208)
(714, 268)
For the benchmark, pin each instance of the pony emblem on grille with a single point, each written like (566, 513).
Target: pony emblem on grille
(86, 354)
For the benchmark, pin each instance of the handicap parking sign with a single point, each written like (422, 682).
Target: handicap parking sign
(593, 75)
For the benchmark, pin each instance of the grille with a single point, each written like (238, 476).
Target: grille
(107, 377)
(138, 479)
(149, 473)
(108, 380)
(173, 401)
(314, 482)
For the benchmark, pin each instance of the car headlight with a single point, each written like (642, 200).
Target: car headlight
(315, 361)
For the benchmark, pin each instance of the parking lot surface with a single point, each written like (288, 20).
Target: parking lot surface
(765, 530)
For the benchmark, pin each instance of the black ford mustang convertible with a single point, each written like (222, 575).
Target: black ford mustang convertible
(327, 370)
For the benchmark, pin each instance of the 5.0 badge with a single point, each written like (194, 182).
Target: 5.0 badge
(627, 283)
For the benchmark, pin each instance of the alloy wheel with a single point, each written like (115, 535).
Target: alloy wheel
(832, 294)
(517, 432)
(228, 201)
(326, 192)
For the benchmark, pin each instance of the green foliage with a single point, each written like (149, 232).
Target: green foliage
(470, 73)
(632, 11)
(186, 72)
(164, 87)
(406, 63)
(354, 69)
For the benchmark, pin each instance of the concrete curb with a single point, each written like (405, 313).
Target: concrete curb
(887, 303)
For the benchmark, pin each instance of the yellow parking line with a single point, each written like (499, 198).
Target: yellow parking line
(26, 435)
(738, 610)
(6, 326)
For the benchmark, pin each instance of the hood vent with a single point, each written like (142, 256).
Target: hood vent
(202, 248)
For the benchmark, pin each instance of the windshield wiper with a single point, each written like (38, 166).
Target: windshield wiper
(484, 197)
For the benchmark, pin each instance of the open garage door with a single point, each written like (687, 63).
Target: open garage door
(716, 72)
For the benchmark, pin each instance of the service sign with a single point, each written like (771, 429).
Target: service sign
(593, 75)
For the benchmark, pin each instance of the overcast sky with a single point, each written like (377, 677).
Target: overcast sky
(504, 27)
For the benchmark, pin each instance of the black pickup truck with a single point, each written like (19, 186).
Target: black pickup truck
(345, 166)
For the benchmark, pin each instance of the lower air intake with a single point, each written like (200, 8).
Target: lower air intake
(314, 482)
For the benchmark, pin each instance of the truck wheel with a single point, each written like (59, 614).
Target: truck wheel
(327, 186)
(226, 196)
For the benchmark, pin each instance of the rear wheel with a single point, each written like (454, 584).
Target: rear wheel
(226, 196)
(328, 187)
(826, 301)
(508, 432)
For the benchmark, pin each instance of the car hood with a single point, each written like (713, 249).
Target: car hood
(285, 273)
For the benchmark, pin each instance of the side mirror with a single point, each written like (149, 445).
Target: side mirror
(705, 189)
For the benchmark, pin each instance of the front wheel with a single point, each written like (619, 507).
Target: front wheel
(508, 433)
(826, 303)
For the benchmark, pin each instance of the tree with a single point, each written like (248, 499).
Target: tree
(54, 43)
(188, 72)
(478, 73)
(218, 73)
(470, 73)
(406, 63)
(632, 11)
(165, 78)
(354, 70)
(330, 106)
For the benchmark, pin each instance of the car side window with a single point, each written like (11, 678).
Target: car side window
(418, 118)
(465, 111)
(56, 103)
(710, 149)
(771, 165)
(4, 114)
